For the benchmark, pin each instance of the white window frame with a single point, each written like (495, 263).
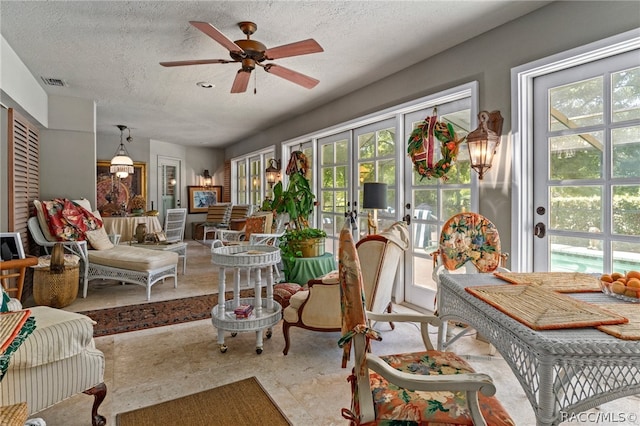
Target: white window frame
(265, 154)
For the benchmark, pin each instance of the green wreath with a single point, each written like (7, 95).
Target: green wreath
(449, 148)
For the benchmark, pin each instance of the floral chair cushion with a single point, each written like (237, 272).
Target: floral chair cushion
(470, 237)
(395, 405)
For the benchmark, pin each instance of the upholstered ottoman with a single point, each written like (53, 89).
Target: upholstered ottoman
(282, 293)
(134, 265)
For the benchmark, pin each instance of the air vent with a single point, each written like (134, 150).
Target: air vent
(53, 82)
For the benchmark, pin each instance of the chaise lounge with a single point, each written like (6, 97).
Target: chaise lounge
(106, 260)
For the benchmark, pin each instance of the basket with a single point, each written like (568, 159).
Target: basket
(56, 290)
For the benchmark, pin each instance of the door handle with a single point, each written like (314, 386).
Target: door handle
(407, 218)
(539, 230)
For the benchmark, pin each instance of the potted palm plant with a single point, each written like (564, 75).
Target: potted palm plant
(297, 201)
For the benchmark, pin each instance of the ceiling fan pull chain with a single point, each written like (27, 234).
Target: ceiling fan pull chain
(255, 83)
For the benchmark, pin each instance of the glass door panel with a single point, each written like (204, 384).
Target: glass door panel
(334, 181)
(242, 182)
(586, 192)
(377, 162)
(168, 185)
(433, 201)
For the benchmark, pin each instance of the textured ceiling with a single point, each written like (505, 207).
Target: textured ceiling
(110, 52)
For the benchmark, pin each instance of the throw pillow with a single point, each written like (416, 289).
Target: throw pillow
(42, 220)
(99, 239)
(255, 224)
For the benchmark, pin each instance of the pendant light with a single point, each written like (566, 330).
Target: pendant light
(121, 163)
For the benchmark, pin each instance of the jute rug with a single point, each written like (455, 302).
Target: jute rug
(156, 314)
(240, 403)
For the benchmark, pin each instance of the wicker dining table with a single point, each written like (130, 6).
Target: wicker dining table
(563, 371)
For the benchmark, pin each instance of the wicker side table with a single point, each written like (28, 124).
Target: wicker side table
(267, 312)
(56, 290)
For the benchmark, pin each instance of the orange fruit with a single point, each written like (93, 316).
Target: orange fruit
(606, 278)
(616, 275)
(618, 287)
(633, 274)
(633, 282)
(631, 293)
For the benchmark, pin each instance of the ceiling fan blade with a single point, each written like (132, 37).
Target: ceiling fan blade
(215, 34)
(195, 62)
(241, 82)
(303, 47)
(292, 76)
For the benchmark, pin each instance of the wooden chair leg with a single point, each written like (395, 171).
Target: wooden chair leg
(99, 392)
(390, 310)
(285, 331)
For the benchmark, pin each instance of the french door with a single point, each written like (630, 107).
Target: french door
(168, 185)
(431, 202)
(586, 176)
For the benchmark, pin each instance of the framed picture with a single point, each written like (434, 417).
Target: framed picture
(201, 197)
(111, 191)
(11, 246)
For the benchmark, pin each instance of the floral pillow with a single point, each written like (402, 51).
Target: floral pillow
(68, 221)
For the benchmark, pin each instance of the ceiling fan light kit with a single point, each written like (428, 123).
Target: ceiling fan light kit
(251, 53)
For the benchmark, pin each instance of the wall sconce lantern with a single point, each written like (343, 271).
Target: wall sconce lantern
(483, 142)
(207, 178)
(121, 163)
(273, 171)
(374, 197)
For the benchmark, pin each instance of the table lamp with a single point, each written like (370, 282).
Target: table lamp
(375, 197)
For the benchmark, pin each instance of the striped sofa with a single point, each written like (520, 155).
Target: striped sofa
(56, 361)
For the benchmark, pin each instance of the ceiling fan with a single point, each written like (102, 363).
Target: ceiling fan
(251, 53)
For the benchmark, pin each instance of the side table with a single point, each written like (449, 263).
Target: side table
(302, 269)
(266, 313)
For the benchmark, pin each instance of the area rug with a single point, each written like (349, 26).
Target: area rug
(156, 314)
(240, 403)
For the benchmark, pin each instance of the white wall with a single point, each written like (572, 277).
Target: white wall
(67, 149)
(19, 86)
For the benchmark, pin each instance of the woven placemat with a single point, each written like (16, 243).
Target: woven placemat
(628, 331)
(542, 309)
(562, 282)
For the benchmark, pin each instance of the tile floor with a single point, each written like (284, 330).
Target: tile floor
(150, 366)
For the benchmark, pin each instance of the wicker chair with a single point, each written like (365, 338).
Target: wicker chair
(468, 242)
(218, 216)
(429, 387)
(174, 224)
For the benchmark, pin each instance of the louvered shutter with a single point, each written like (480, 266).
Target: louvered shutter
(24, 173)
